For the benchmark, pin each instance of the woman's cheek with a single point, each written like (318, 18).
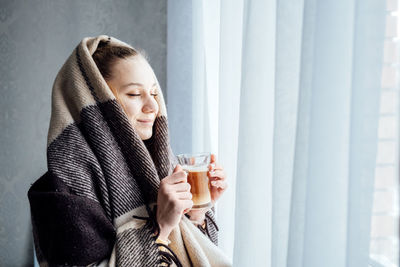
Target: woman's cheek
(133, 109)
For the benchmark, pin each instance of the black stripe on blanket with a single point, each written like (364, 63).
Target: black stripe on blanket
(211, 226)
(73, 229)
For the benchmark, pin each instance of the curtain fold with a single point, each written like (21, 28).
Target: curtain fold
(368, 49)
(231, 25)
(253, 205)
(289, 27)
(297, 118)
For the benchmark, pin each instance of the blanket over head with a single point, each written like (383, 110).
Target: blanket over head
(96, 204)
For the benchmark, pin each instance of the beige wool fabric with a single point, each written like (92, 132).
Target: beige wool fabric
(106, 179)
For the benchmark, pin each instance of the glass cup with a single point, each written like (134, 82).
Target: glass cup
(196, 166)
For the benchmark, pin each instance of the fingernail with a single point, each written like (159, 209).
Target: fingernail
(213, 182)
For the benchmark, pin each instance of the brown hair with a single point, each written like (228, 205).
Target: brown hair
(106, 55)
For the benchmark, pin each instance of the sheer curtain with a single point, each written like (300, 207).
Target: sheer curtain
(287, 95)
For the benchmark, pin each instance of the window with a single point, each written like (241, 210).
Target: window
(384, 246)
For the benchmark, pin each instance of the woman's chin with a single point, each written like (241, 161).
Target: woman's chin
(145, 136)
(144, 132)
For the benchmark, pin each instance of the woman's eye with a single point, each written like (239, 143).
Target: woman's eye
(139, 94)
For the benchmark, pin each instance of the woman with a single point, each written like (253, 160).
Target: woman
(113, 194)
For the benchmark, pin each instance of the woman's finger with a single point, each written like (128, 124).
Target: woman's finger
(177, 177)
(215, 166)
(180, 187)
(213, 158)
(219, 184)
(218, 173)
(184, 195)
(186, 204)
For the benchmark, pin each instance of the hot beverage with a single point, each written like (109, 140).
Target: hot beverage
(200, 186)
(196, 165)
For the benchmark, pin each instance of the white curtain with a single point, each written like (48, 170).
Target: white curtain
(287, 95)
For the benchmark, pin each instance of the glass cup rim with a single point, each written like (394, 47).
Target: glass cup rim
(196, 154)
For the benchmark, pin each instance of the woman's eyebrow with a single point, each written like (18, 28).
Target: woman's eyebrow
(136, 84)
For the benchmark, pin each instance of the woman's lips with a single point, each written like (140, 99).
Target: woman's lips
(146, 122)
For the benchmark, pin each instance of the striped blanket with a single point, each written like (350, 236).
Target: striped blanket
(96, 204)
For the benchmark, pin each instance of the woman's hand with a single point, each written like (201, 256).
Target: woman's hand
(218, 185)
(173, 199)
(217, 178)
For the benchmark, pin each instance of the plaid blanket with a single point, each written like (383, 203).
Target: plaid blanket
(96, 204)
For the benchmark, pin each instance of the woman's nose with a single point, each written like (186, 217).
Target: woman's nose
(150, 104)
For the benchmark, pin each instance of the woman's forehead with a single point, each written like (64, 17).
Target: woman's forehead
(134, 70)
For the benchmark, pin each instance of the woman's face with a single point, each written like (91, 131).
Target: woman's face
(133, 80)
